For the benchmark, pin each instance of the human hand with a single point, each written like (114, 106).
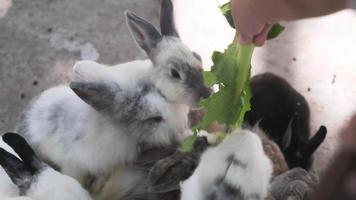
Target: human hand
(252, 20)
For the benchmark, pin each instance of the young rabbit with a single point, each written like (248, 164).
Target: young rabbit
(273, 152)
(31, 177)
(283, 114)
(97, 123)
(235, 169)
(294, 184)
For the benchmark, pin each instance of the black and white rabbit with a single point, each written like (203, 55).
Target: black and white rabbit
(28, 176)
(283, 113)
(237, 168)
(96, 123)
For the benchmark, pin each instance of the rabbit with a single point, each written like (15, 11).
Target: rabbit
(271, 149)
(284, 115)
(97, 122)
(31, 177)
(273, 152)
(296, 184)
(237, 168)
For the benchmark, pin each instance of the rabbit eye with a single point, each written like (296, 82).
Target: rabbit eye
(175, 74)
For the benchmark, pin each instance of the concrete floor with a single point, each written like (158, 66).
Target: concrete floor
(41, 39)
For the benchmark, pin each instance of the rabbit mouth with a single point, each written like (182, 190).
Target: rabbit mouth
(197, 94)
(193, 100)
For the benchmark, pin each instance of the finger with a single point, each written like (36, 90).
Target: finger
(260, 38)
(251, 31)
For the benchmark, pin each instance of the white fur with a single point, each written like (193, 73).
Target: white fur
(16, 198)
(88, 142)
(90, 153)
(125, 74)
(247, 148)
(49, 184)
(171, 47)
(53, 185)
(102, 144)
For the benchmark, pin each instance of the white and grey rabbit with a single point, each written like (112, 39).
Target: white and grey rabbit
(238, 168)
(30, 177)
(93, 125)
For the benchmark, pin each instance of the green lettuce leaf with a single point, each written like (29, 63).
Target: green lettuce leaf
(275, 31)
(231, 73)
(231, 70)
(188, 143)
(226, 11)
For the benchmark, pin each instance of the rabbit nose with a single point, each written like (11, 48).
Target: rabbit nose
(204, 92)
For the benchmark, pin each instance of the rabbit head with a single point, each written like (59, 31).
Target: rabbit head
(33, 177)
(297, 153)
(177, 70)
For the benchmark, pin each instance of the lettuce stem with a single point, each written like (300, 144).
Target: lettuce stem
(244, 57)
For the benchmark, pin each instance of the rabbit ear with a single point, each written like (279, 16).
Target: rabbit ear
(98, 95)
(144, 33)
(197, 56)
(315, 142)
(87, 70)
(167, 19)
(18, 172)
(24, 151)
(287, 138)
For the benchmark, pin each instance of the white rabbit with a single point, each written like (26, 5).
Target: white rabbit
(31, 177)
(237, 168)
(98, 122)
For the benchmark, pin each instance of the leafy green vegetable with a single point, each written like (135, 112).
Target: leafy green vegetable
(209, 79)
(187, 146)
(226, 11)
(231, 72)
(275, 31)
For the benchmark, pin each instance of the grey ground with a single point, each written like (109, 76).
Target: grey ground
(41, 39)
